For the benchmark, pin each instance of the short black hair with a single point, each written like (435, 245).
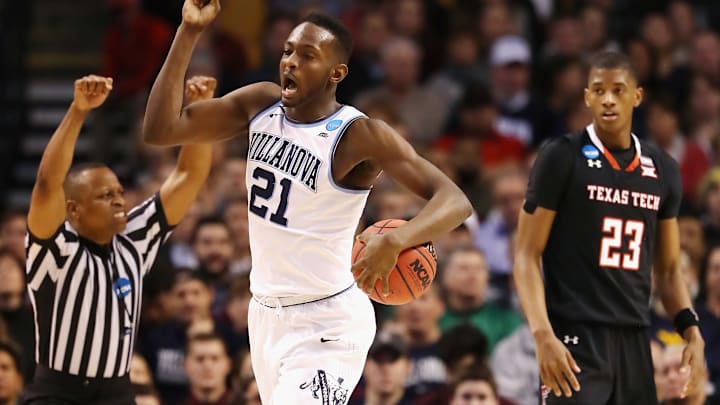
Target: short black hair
(343, 37)
(476, 372)
(208, 220)
(77, 169)
(460, 341)
(13, 352)
(612, 60)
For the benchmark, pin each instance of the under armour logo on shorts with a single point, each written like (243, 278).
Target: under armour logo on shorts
(594, 163)
(574, 340)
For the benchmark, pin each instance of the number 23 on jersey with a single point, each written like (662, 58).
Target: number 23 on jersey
(615, 231)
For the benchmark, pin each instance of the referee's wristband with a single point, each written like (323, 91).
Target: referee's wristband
(685, 319)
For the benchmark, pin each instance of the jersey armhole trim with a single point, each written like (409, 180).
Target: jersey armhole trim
(263, 111)
(339, 136)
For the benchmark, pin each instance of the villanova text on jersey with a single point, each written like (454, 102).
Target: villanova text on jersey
(286, 156)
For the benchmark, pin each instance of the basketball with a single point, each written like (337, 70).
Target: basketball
(413, 273)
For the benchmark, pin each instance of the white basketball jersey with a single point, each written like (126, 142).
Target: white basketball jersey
(301, 223)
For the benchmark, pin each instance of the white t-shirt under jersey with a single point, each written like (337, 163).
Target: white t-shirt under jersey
(301, 223)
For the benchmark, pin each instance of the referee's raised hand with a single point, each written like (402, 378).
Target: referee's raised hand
(199, 88)
(91, 91)
(557, 366)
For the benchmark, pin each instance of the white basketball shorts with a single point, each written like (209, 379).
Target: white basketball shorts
(312, 353)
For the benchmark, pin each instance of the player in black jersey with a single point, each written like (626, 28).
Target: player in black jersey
(601, 211)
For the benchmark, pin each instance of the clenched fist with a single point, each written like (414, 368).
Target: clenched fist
(91, 91)
(199, 88)
(199, 13)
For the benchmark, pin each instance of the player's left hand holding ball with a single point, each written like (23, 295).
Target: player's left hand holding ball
(91, 91)
(377, 262)
(693, 360)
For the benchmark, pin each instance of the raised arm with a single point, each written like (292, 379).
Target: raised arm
(193, 164)
(447, 207)
(47, 204)
(167, 123)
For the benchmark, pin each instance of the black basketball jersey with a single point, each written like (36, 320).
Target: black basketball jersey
(599, 254)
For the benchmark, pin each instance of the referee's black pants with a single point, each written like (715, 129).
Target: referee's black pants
(50, 387)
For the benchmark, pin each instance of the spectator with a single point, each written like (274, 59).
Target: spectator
(163, 346)
(462, 67)
(423, 112)
(465, 280)
(212, 245)
(458, 238)
(146, 395)
(460, 348)
(14, 311)
(419, 319)
(493, 234)
(13, 227)
(705, 56)
(236, 310)
(708, 311)
(132, 32)
(663, 125)
(595, 30)
(366, 70)
(140, 373)
(521, 116)
(478, 118)
(207, 366)
(235, 215)
(475, 386)
(11, 380)
(657, 33)
(692, 240)
(386, 372)
(515, 368)
(669, 380)
(709, 196)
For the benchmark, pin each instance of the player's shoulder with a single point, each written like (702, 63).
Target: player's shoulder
(659, 157)
(255, 98)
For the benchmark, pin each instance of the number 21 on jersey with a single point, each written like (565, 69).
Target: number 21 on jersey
(266, 192)
(611, 245)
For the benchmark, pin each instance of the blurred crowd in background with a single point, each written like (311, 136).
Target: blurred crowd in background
(476, 86)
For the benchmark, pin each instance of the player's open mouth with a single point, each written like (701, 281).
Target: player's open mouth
(289, 87)
(119, 215)
(609, 116)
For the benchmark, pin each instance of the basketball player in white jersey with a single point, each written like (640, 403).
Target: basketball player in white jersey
(311, 164)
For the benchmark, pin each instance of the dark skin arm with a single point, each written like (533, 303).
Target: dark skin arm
(179, 190)
(374, 143)
(557, 366)
(47, 204)
(675, 297)
(167, 123)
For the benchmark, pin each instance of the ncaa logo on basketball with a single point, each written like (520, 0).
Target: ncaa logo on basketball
(333, 125)
(590, 152)
(420, 272)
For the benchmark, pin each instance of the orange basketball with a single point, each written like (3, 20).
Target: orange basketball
(413, 273)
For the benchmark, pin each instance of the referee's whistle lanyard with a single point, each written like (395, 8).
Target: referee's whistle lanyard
(128, 323)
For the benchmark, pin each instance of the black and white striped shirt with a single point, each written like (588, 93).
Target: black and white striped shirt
(86, 297)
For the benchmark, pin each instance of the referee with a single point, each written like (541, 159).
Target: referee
(86, 258)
